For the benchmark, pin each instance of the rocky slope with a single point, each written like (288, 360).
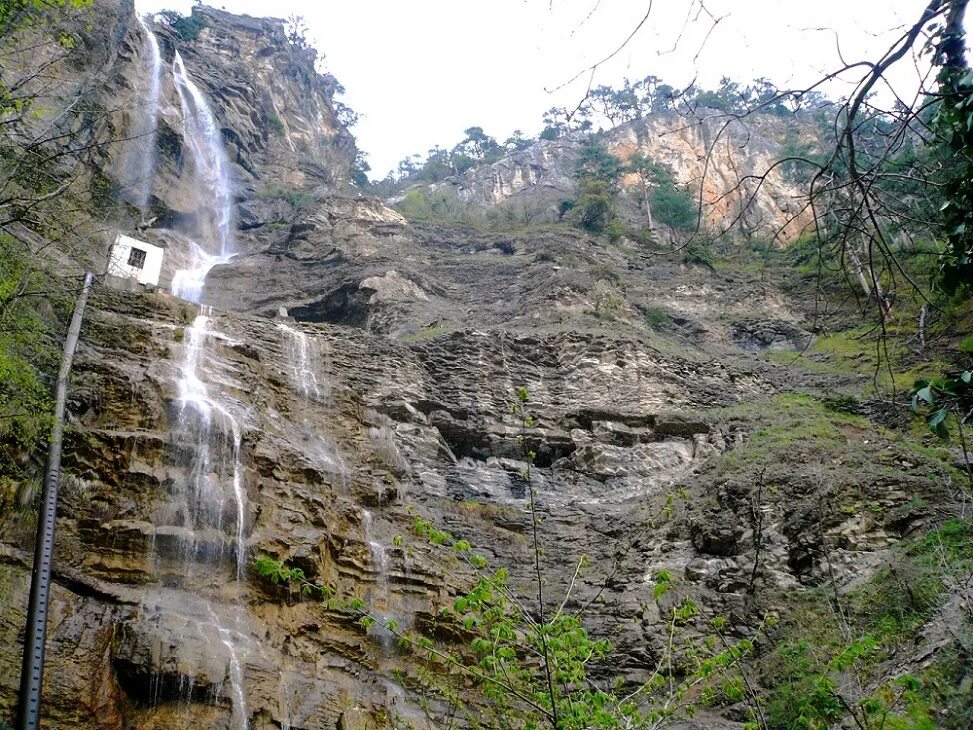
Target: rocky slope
(727, 160)
(384, 390)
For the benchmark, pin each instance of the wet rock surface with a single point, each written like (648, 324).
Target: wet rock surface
(368, 364)
(387, 428)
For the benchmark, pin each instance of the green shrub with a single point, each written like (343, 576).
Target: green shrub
(698, 251)
(658, 318)
(28, 358)
(188, 27)
(615, 230)
(672, 206)
(425, 204)
(298, 199)
(275, 124)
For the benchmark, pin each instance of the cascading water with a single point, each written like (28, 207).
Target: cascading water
(142, 155)
(192, 540)
(215, 483)
(209, 497)
(303, 356)
(380, 564)
(212, 240)
(212, 170)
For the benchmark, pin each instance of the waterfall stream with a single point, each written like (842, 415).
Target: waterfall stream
(208, 498)
(142, 154)
(212, 170)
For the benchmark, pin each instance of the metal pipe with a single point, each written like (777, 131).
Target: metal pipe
(32, 669)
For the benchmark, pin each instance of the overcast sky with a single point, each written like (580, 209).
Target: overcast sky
(421, 72)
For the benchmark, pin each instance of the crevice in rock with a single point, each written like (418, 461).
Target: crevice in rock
(347, 305)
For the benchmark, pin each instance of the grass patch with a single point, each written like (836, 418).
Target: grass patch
(426, 334)
(818, 675)
(903, 596)
(791, 425)
(298, 199)
(658, 318)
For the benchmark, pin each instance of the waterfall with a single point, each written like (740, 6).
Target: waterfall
(188, 283)
(302, 356)
(192, 540)
(380, 564)
(215, 484)
(212, 170)
(205, 504)
(212, 240)
(142, 154)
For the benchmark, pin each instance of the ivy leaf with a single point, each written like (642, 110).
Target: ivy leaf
(937, 422)
(925, 395)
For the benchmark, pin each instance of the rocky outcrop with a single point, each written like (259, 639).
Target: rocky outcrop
(366, 366)
(731, 162)
(276, 111)
(395, 428)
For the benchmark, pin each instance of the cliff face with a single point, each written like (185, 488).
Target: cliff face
(730, 162)
(276, 111)
(344, 435)
(200, 439)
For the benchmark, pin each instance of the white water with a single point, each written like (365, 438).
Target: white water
(208, 498)
(380, 561)
(141, 161)
(188, 283)
(216, 480)
(303, 361)
(302, 356)
(212, 170)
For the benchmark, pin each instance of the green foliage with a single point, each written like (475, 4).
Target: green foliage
(527, 661)
(188, 27)
(951, 394)
(616, 230)
(698, 251)
(657, 318)
(597, 172)
(673, 206)
(275, 124)
(799, 159)
(593, 208)
(359, 171)
(813, 674)
(426, 204)
(298, 199)
(28, 358)
(954, 123)
(278, 573)
(17, 14)
(907, 593)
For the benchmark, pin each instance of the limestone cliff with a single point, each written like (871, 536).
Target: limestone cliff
(729, 161)
(357, 369)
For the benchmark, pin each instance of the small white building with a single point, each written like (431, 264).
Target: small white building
(134, 259)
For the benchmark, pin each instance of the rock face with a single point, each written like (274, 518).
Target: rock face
(385, 392)
(344, 433)
(730, 162)
(276, 111)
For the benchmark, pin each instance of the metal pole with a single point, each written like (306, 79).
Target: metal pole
(32, 669)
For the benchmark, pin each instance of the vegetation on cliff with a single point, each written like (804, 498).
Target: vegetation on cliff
(789, 548)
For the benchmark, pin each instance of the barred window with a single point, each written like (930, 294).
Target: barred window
(136, 258)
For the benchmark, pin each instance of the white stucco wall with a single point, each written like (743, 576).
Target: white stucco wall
(118, 262)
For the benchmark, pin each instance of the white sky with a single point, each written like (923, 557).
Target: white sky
(421, 72)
